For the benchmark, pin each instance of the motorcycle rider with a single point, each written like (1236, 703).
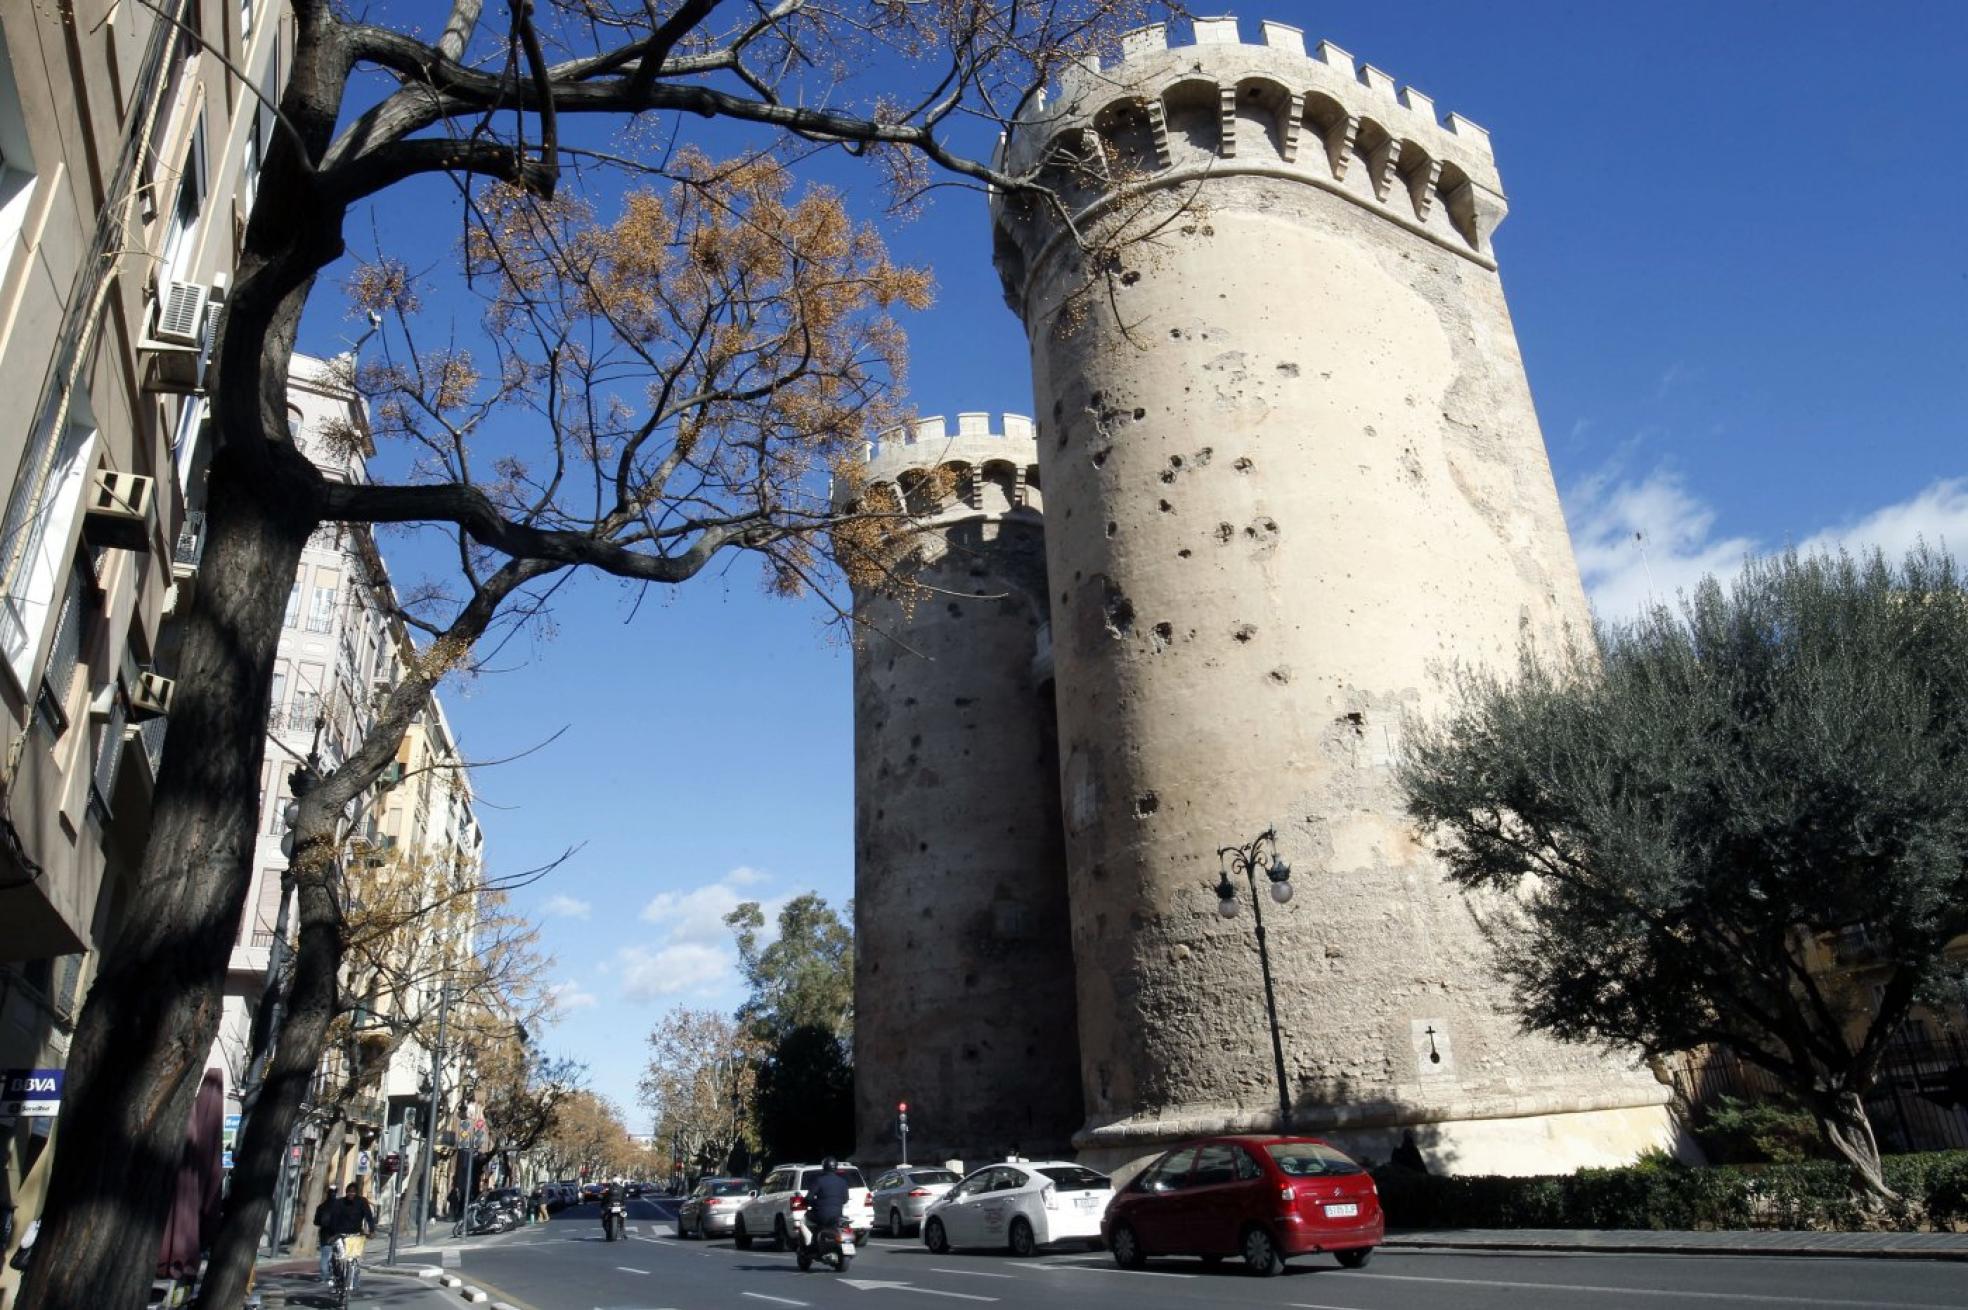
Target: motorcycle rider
(608, 1215)
(826, 1202)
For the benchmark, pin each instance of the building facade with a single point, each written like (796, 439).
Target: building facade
(1293, 476)
(129, 151)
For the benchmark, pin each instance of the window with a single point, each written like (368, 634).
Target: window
(294, 604)
(1247, 1167)
(109, 748)
(1310, 1159)
(16, 162)
(65, 652)
(266, 909)
(321, 605)
(1215, 1164)
(245, 19)
(278, 697)
(27, 610)
(187, 209)
(1167, 1174)
(260, 128)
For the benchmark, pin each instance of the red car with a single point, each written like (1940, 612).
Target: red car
(1263, 1198)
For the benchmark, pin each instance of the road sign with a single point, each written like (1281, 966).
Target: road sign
(361, 1164)
(30, 1093)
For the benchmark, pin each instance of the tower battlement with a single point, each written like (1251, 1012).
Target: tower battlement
(997, 467)
(1164, 114)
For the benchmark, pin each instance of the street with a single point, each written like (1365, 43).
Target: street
(565, 1265)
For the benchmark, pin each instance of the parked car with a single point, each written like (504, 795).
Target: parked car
(711, 1209)
(1021, 1207)
(902, 1194)
(769, 1214)
(1263, 1198)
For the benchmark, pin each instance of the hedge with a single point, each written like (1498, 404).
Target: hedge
(1814, 1194)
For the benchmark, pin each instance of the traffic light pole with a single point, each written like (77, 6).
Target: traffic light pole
(430, 1115)
(903, 1110)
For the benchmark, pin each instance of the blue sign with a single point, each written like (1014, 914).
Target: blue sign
(31, 1093)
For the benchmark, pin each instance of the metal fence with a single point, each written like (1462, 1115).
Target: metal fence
(1920, 1102)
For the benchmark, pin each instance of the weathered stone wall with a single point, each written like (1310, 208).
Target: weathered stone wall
(963, 966)
(1305, 480)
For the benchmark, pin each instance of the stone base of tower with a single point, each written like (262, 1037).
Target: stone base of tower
(1554, 1141)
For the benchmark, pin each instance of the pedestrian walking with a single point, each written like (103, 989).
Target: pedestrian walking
(324, 1220)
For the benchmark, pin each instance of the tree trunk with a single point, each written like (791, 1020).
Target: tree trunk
(311, 1007)
(146, 1031)
(1848, 1131)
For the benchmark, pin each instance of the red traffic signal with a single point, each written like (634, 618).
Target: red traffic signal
(903, 1107)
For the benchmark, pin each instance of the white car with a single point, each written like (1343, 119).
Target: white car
(1020, 1206)
(774, 1209)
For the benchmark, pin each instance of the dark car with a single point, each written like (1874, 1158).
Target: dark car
(1263, 1198)
(712, 1207)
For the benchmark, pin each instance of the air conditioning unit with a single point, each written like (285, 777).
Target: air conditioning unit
(176, 347)
(151, 697)
(116, 512)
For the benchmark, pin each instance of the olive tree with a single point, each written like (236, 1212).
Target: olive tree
(1676, 818)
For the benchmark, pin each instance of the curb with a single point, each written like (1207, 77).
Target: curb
(475, 1295)
(1682, 1248)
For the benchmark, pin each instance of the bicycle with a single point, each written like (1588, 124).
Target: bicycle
(347, 1266)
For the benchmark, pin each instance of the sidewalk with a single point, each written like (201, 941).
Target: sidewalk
(1884, 1246)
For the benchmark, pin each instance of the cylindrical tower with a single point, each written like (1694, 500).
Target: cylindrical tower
(963, 986)
(1295, 477)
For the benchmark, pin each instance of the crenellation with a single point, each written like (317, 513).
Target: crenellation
(1283, 36)
(1216, 31)
(1327, 90)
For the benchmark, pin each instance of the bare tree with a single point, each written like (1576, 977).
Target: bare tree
(484, 104)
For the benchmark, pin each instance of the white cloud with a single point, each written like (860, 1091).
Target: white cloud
(694, 916)
(566, 907)
(746, 876)
(571, 996)
(683, 968)
(1647, 541)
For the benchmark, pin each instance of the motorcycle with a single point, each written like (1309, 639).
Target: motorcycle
(491, 1217)
(830, 1243)
(612, 1219)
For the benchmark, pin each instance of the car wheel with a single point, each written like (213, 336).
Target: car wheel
(896, 1228)
(1261, 1254)
(1020, 1239)
(779, 1234)
(1356, 1258)
(935, 1238)
(1127, 1247)
(740, 1238)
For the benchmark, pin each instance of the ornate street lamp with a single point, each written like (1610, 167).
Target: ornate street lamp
(1247, 860)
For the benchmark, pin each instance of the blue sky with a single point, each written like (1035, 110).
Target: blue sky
(1735, 260)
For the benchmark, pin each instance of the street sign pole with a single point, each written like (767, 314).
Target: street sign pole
(396, 1216)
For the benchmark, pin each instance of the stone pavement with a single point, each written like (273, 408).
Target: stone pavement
(1904, 1246)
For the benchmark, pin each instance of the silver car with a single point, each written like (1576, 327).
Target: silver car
(711, 1209)
(903, 1193)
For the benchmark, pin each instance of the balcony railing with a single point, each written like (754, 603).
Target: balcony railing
(191, 539)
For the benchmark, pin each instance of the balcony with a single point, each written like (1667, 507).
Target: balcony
(191, 542)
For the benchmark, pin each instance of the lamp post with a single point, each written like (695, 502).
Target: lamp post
(1247, 860)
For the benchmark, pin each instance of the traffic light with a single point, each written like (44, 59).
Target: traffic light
(392, 1163)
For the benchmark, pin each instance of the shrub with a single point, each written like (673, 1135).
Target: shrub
(1771, 1130)
(1810, 1194)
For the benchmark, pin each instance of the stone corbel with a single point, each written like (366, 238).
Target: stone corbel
(1421, 188)
(1294, 121)
(1476, 212)
(1158, 131)
(1384, 161)
(1226, 110)
(1339, 145)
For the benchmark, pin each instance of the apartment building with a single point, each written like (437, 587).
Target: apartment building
(129, 154)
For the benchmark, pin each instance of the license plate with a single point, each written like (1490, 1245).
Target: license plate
(1350, 1210)
(1086, 1202)
(847, 1246)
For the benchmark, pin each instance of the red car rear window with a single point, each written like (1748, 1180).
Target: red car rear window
(1310, 1159)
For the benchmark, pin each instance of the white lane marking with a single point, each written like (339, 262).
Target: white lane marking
(875, 1285)
(1108, 1269)
(968, 1273)
(1312, 1305)
(1641, 1291)
(782, 1300)
(625, 1269)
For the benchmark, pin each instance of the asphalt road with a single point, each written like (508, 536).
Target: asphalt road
(565, 1265)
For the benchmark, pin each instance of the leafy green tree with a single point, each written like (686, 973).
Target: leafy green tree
(1672, 822)
(806, 1096)
(804, 977)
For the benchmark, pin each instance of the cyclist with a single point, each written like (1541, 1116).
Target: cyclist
(352, 1223)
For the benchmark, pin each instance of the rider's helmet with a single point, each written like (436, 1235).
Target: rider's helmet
(828, 1166)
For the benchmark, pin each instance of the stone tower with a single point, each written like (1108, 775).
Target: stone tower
(963, 968)
(1295, 475)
